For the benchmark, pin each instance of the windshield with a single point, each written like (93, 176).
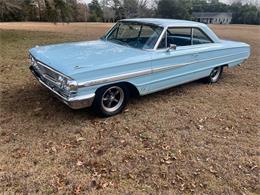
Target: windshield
(137, 35)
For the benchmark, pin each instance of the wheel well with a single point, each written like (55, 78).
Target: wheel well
(132, 89)
(225, 65)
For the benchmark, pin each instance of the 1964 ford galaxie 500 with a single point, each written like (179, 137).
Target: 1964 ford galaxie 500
(138, 56)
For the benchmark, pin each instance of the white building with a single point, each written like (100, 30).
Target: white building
(213, 17)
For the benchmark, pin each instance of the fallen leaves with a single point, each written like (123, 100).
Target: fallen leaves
(79, 163)
(63, 141)
(169, 158)
(19, 153)
(254, 167)
(81, 139)
(101, 184)
(77, 190)
(58, 182)
(38, 109)
(212, 170)
(53, 148)
(196, 172)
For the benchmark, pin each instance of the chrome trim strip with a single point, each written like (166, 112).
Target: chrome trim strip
(146, 72)
(115, 78)
(167, 78)
(159, 69)
(50, 79)
(80, 98)
(72, 99)
(77, 102)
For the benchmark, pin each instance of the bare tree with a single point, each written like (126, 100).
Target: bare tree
(143, 10)
(9, 8)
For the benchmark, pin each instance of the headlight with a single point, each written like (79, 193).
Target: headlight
(32, 60)
(71, 86)
(62, 81)
(68, 85)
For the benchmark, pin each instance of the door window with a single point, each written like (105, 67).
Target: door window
(179, 36)
(183, 37)
(176, 36)
(200, 37)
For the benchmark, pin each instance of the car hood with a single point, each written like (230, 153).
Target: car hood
(73, 58)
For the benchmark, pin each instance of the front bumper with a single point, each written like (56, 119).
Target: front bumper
(77, 102)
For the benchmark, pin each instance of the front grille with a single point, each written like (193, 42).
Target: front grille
(49, 77)
(47, 72)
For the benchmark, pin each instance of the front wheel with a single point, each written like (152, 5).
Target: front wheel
(215, 75)
(110, 100)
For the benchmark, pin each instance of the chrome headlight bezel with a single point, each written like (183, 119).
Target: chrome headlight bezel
(68, 85)
(62, 81)
(71, 86)
(32, 61)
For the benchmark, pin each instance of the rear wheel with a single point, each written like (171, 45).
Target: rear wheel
(110, 100)
(215, 75)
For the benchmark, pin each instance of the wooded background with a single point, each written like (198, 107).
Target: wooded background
(113, 10)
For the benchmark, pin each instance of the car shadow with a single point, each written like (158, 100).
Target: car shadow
(33, 101)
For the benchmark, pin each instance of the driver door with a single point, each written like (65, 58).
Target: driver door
(175, 67)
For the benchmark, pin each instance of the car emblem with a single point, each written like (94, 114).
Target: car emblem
(77, 67)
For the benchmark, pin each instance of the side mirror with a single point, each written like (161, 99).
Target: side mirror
(172, 47)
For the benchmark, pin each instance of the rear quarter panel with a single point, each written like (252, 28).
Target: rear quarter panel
(239, 52)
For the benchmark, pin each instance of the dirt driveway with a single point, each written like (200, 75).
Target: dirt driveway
(195, 138)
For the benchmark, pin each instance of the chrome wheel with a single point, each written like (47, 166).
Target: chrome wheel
(112, 99)
(215, 74)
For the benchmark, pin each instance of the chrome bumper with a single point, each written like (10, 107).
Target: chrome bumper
(77, 102)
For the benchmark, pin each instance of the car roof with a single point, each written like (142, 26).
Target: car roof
(176, 23)
(164, 22)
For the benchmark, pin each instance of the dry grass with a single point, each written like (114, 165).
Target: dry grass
(195, 138)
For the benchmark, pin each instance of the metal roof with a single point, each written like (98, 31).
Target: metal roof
(164, 22)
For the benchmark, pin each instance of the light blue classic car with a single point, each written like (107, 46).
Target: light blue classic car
(136, 56)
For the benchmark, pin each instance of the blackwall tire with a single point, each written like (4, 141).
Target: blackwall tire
(110, 100)
(215, 75)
